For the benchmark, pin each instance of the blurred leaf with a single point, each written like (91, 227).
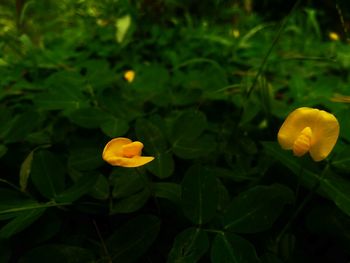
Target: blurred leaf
(151, 136)
(122, 25)
(98, 74)
(231, 248)
(162, 166)
(170, 191)
(25, 171)
(188, 126)
(20, 222)
(3, 150)
(342, 159)
(151, 80)
(47, 174)
(22, 125)
(81, 187)
(114, 127)
(189, 246)
(58, 254)
(190, 149)
(89, 118)
(199, 195)
(129, 242)
(257, 209)
(61, 98)
(84, 159)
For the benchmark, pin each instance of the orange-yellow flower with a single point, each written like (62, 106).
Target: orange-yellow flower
(309, 130)
(123, 152)
(129, 75)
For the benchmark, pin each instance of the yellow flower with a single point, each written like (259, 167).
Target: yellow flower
(123, 152)
(309, 130)
(235, 33)
(333, 36)
(129, 75)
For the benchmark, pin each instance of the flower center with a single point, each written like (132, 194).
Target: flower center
(132, 149)
(303, 143)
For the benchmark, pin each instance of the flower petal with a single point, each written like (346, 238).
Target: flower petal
(294, 124)
(114, 149)
(135, 161)
(325, 135)
(132, 149)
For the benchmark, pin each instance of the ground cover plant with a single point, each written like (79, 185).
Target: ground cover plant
(150, 131)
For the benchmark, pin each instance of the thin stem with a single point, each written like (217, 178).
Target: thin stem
(105, 250)
(302, 205)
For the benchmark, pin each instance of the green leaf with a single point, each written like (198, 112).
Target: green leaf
(22, 125)
(25, 171)
(58, 254)
(190, 149)
(89, 118)
(188, 126)
(189, 246)
(199, 195)
(81, 187)
(61, 98)
(100, 190)
(170, 191)
(257, 209)
(3, 150)
(231, 248)
(335, 187)
(12, 202)
(115, 127)
(127, 184)
(162, 166)
(122, 25)
(84, 159)
(20, 222)
(342, 159)
(133, 239)
(47, 174)
(131, 203)
(151, 136)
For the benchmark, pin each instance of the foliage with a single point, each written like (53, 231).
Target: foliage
(207, 100)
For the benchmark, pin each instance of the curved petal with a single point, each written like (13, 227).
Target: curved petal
(132, 149)
(114, 149)
(325, 135)
(135, 161)
(294, 124)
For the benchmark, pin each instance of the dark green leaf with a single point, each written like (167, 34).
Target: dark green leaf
(81, 187)
(22, 126)
(257, 209)
(335, 187)
(231, 248)
(188, 126)
(133, 239)
(114, 127)
(199, 195)
(20, 222)
(162, 166)
(151, 136)
(170, 191)
(84, 159)
(189, 149)
(47, 174)
(58, 254)
(189, 246)
(130, 203)
(3, 150)
(89, 118)
(101, 188)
